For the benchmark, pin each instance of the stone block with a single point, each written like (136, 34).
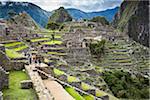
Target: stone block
(26, 84)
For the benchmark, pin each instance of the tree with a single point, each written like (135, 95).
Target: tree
(52, 25)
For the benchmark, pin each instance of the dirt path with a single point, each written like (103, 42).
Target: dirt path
(57, 90)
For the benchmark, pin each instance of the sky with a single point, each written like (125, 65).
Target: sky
(84, 5)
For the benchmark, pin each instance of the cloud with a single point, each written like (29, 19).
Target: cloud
(85, 5)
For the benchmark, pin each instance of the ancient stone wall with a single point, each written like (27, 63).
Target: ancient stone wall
(77, 55)
(4, 81)
(4, 61)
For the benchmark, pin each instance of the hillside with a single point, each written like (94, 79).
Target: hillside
(133, 18)
(60, 15)
(39, 15)
(78, 14)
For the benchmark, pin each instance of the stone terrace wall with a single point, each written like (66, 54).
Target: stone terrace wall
(75, 55)
(4, 78)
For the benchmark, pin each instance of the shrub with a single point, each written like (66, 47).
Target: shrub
(98, 47)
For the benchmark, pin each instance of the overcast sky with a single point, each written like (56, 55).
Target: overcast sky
(85, 5)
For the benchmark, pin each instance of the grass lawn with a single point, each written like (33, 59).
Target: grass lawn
(52, 42)
(74, 93)
(57, 53)
(72, 79)
(39, 39)
(15, 92)
(58, 72)
(13, 54)
(20, 48)
(12, 44)
(86, 86)
(88, 97)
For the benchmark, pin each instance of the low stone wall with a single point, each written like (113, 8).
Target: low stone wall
(4, 79)
(26, 84)
(1, 95)
(17, 65)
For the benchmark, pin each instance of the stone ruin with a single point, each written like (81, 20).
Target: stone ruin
(4, 81)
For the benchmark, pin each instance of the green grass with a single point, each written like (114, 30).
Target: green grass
(15, 92)
(86, 86)
(58, 72)
(57, 53)
(88, 97)
(53, 42)
(40, 39)
(74, 93)
(12, 44)
(20, 48)
(72, 79)
(13, 54)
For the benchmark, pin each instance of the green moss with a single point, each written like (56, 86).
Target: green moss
(15, 92)
(74, 93)
(13, 54)
(58, 72)
(72, 79)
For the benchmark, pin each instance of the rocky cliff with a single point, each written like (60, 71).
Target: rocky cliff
(133, 19)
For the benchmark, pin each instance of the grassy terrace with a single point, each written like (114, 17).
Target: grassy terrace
(13, 54)
(39, 39)
(53, 42)
(12, 44)
(84, 87)
(21, 48)
(15, 92)
(56, 53)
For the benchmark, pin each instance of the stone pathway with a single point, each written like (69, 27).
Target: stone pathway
(42, 92)
(57, 90)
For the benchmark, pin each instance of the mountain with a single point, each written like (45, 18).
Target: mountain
(133, 19)
(60, 15)
(24, 20)
(39, 15)
(78, 14)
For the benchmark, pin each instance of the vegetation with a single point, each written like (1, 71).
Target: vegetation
(20, 48)
(97, 48)
(101, 20)
(74, 93)
(40, 39)
(58, 72)
(52, 42)
(53, 25)
(125, 85)
(15, 92)
(60, 15)
(12, 44)
(72, 79)
(13, 54)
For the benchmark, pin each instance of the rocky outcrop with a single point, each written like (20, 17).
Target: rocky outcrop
(133, 19)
